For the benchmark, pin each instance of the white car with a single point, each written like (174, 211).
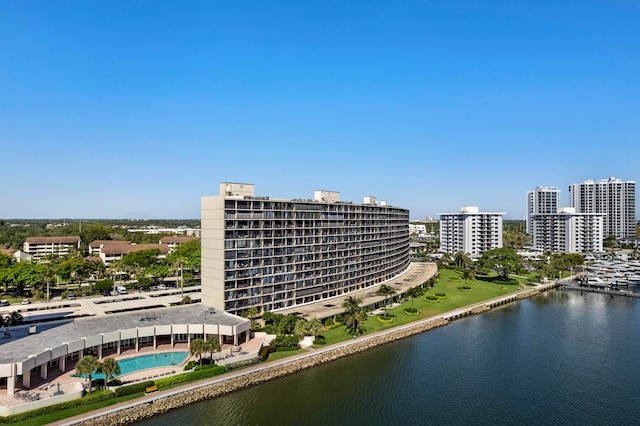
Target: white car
(26, 301)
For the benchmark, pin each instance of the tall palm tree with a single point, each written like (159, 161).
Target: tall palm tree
(110, 368)
(355, 315)
(86, 366)
(412, 293)
(386, 291)
(212, 345)
(198, 347)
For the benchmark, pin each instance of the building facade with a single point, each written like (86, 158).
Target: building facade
(470, 231)
(41, 247)
(567, 231)
(270, 254)
(542, 200)
(615, 198)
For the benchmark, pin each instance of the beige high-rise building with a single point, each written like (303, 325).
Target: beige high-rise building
(271, 254)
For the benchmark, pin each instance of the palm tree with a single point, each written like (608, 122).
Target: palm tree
(301, 328)
(87, 365)
(109, 368)
(315, 327)
(212, 345)
(412, 293)
(354, 315)
(386, 291)
(251, 313)
(198, 347)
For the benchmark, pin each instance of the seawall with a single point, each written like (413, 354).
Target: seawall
(172, 399)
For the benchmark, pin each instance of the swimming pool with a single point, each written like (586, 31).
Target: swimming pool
(143, 362)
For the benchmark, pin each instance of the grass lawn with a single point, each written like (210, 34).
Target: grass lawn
(448, 283)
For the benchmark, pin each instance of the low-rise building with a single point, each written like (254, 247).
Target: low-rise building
(175, 241)
(41, 247)
(111, 252)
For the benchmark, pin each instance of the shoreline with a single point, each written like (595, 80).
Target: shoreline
(149, 406)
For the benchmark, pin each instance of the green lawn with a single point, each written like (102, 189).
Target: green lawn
(448, 283)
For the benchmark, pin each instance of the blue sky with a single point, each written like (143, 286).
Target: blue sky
(137, 109)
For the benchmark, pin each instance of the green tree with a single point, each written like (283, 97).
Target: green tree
(110, 368)
(354, 316)
(5, 261)
(301, 328)
(412, 293)
(142, 258)
(251, 314)
(503, 261)
(86, 366)
(212, 345)
(188, 254)
(314, 327)
(21, 275)
(197, 347)
(74, 268)
(386, 291)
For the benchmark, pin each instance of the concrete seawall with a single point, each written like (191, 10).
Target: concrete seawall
(176, 398)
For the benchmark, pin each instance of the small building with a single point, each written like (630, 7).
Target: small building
(17, 254)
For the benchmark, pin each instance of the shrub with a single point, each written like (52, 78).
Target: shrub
(285, 341)
(440, 295)
(134, 388)
(191, 365)
(329, 322)
(431, 298)
(465, 288)
(411, 311)
(242, 363)
(210, 371)
(319, 340)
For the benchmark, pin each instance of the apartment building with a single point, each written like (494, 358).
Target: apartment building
(542, 200)
(470, 231)
(272, 254)
(175, 241)
(110, 252)
(41, 247)
(567, 231)
(613, 197)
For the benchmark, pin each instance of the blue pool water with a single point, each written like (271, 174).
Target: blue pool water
(142, 362)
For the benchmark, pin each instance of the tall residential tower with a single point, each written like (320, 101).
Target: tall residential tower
(613, 197)
(543, 199)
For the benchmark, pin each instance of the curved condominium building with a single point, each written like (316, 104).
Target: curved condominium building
(271, 254)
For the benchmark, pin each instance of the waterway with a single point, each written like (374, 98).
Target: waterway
(561, 358)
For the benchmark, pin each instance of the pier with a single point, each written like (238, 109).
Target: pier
(613, 291)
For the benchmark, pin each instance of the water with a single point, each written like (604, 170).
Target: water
(142, 362)
(560, 358)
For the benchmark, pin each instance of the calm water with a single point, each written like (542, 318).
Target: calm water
(560, 358)
(142, 362)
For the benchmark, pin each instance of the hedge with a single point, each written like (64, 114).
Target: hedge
(133, 388)
(167, 382)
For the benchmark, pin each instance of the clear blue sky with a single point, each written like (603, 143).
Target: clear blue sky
(136, 109)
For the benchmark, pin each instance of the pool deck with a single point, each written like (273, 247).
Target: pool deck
(43, 388)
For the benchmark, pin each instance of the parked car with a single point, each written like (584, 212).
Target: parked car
(26, 301)
(4, 303)
(162, 287)
(71, 297)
